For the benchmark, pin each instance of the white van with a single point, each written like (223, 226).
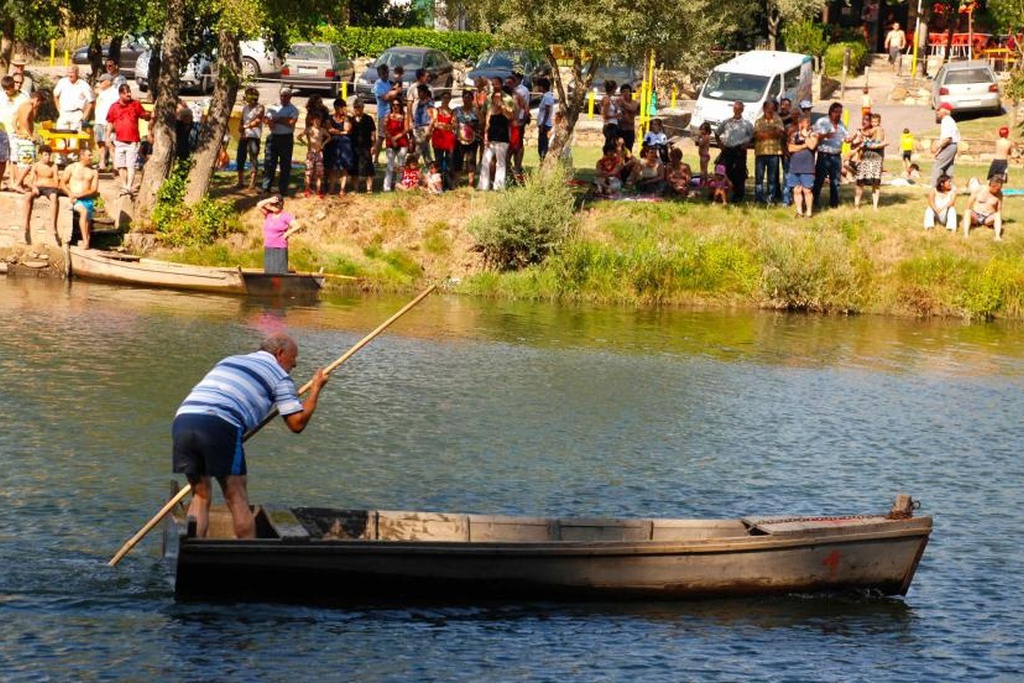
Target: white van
(752, 78)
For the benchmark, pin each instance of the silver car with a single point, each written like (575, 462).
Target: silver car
(258, 59)
(196, 74)
(967, 86)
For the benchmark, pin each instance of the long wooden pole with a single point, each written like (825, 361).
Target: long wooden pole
(131, 543)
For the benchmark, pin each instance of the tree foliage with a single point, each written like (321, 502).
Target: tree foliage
(591, 33)
(782, 12)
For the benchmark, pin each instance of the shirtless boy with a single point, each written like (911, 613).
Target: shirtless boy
(985, 207)
(81, 183)
(315, 137)
(1001, 158)
(42, 180)
(23, 149)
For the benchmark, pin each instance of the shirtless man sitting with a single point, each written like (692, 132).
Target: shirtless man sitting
(42, 180)
(81, 183)
(985, 207)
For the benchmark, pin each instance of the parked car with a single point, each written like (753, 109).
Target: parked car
(502, 63)
(615, 71)
(131, 48)
(968, 86)
(258, 60)
(196, 74)
(442, 76)
(317, 66)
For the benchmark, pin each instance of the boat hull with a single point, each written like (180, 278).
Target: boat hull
(288, 285)
(98, 266)
(722, 558)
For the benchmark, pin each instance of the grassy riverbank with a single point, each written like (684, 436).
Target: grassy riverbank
(670, 253)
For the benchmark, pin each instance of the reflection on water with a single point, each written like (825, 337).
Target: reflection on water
(493, 406)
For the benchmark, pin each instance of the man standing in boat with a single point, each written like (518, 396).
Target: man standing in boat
(232, 399)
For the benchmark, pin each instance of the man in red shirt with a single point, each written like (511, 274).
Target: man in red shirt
(123, 119)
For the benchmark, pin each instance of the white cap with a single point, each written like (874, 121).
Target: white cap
(805, 104)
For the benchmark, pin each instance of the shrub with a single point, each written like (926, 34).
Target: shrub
(370, 42)
(832, 64)
(526, 224)
(178, 225)
(810, 272)
(806, 37)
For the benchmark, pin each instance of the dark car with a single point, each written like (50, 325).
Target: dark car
(501, 64)
(131, 48)
(442, 76)
(317, 66)
(619, 72)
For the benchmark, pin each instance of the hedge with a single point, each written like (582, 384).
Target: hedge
(832, 64)
(370, 42)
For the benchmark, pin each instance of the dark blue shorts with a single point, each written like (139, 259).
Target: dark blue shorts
(207, 446)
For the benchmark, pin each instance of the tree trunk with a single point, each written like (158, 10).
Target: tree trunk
(95, 55)
(6, 42)
(773, 30)
(574, 103)
(161, 161)
(211, 135)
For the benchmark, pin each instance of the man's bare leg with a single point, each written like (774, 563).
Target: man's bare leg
(26, 214)
(236, 495)
(54, 212)
(84, 225)
(199, 506)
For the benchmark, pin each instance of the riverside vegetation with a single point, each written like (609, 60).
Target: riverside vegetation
(549, 241)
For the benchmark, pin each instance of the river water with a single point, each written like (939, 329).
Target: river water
(502, 407)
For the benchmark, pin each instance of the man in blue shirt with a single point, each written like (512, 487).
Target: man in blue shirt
(829, 163)
(232, 399)
(383, 93)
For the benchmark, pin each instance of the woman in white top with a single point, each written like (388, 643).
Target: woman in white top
(941, 205)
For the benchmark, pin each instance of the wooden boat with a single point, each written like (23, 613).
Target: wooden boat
(258, 283)
(103, 266)
(323, 555)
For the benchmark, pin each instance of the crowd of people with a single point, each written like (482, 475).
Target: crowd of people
(435, 144)
(428, 142)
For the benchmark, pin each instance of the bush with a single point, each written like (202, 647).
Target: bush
(178, 225)
(526, 224)
(832, 64)
(370, 42)
(805, 37)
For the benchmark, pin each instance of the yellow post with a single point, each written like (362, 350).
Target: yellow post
(913, 59)
(53, 50)
(67, 58)
(846, 122)
(675, 91)
(344, 90)
(590, 104)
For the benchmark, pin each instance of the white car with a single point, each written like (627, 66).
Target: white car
(258, 59)
(196, 75)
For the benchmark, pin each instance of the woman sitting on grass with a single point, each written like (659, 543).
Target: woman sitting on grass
(648, 175)
(609, 172)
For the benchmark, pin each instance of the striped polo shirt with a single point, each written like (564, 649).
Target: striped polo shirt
(242, 390)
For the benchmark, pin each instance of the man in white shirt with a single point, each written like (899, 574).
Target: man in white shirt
(946, 147)
(73, 98)
(734, 136)
(545, 116)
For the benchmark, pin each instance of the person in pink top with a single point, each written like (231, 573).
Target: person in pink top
(278, 224)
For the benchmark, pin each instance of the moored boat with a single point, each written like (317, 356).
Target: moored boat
(323, 555)
(103, 266)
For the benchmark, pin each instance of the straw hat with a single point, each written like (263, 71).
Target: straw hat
(19, 60)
